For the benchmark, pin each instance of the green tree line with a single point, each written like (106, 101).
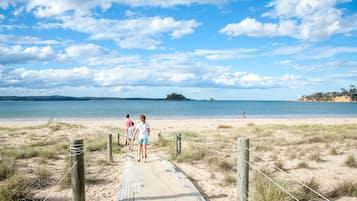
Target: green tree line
(330, 96)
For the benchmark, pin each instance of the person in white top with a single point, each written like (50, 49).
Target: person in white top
(131, 131)
(142, 130)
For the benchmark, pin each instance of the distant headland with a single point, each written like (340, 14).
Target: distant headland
(169, 97)
(343, 96)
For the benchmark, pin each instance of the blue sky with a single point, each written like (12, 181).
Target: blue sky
(238, 49)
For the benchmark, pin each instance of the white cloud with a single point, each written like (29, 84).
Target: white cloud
(129, 33)
(300, 19)
(2, 17)
(22, 55)
(324, 67)
(8, 38)
(225, 54)
(50, 8)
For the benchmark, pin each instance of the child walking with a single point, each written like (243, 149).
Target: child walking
(143, 132)
(131, 131)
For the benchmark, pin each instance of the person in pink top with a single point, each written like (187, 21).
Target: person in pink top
(127, 124)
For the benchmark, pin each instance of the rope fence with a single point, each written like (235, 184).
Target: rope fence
(241, 195)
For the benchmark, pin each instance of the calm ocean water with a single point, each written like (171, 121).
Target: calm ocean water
(110, 109)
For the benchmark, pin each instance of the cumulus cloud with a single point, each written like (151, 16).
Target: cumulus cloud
(2, 17)
(8, 38)
(25, 55)
(129, 33)
(300, 19)
(50, 8)
(146, 75)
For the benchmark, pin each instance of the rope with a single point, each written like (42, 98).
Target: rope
(272, 181)
(61, 180)
(294, 178)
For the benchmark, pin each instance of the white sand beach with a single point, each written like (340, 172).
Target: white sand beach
(288, 143)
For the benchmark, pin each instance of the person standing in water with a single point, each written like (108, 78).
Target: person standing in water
(143, 131)
(127, 124)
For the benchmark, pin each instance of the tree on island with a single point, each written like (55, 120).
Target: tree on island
(175, 96)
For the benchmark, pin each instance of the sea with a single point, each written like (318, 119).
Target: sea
(156, 109)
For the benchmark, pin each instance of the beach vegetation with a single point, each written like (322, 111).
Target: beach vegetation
(267, 191)
(229, 179)
(7, 167)
(279, 164)
(225, 166)
(316, 156)
(333, 151)
(344, 189)
(42, 177)
(66, 183)
(95, 145)
(351, 161)
(16, 187)
(302, 165)
(222, 126)
(305, 194)
(192, 154)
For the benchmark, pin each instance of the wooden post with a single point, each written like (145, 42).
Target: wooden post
(77, 172)
(109, 149)
(118, 138)
(242, 169)
(179, 143)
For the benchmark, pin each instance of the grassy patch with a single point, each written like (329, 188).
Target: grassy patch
(43, 177)
(96, 145)
(305, 194)
(225, 166)
(345, 189)
(316, 156)
(229, 180)
(192, 154)
(279, 164)
(333, 151)
(302, 165)
(221, 126)
(351, 161)
(7, 167)
(16, 187)
(267, 191)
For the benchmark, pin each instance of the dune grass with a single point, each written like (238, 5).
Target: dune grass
(42, 177)
(267, 191)
(305, 194)
(351, 161)
(344, 189)
(222, 126)
(7, 167)
(16, 187)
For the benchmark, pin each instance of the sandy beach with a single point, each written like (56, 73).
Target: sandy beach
(306, 148)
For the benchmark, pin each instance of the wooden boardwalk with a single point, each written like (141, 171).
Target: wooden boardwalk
(157, 179)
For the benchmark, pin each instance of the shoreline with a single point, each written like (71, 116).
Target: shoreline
(252, 118)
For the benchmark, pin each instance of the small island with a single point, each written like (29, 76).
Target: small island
(175, 97)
